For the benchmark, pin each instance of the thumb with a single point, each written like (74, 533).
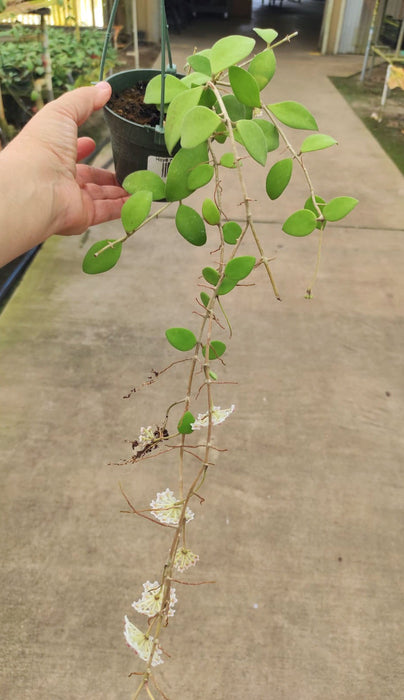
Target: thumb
(80, 103)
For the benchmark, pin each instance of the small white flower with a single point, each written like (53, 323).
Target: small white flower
(218, 416)
(150, 602)
(146, 436)
(167, 509)
(141, 643)
(184, 559)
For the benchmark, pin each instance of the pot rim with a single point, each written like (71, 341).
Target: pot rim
(152, 72)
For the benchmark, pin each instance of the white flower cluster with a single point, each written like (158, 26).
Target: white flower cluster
(184, 559)
(167, 509)
(141, 643)
(146, 436)
(218, 416)
(150, 602)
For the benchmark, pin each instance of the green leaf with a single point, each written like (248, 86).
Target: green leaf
(205, 298)
(210, 212)
(253, 140)
(212, 375)
(200, 176)
(278, 177)
(239, 268)
(181, 338)
(244, 86)
(199, 123)
(216, 349)
(316, 142)
(235, 109)
(200, 62)
(301, 223)
(93, 265)
(194, 80)
(263, 67)
(231, 232)
(136, 209)
(339, 207)
(180, 167)
(184, 425)
(268, 35)
(226, 286)
(227, 160)
(145, 180)
(310, 206)
(293, 114)
(176, 112)
(229, 50)
(221, 133)
(190, 225)
(211, 275)
(270, 132)
(172, 86)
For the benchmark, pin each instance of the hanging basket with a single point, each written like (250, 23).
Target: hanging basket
(137, 146)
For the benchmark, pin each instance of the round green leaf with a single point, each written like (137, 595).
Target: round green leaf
(268, 35)
(221, 133)
(234, 108)
(184, 426)
(316, 142)
(293, 114)
(172, 86)
(339, 207)
(190, 225)
(253, 139)
(181, 338)
(227, 160)
(278, 177)
(301, 223)
(205, 298)
(194, 80)
(145, 180)
(229, 50)
(93, 265)
(136, 209)
(231, 232)
(199, 123)
(180, 105)
(200, 176)
(270, 132)
(263, 67)
(210, 275)
(216, 349)
(180, 167)
(210, 212)
(239, 268)
(226, 286)
(244, 86)
(200, 62)
(309, 205)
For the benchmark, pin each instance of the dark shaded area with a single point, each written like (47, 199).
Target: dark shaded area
(130, 105)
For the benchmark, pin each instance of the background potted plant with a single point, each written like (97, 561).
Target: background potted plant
(219, 117)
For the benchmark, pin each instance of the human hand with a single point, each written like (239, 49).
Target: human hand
(47, 192)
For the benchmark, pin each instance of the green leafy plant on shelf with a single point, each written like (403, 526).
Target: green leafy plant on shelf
(217, 117)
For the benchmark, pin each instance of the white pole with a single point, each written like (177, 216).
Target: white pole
(135, 35)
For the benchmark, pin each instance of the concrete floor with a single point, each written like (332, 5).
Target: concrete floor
(303, 524)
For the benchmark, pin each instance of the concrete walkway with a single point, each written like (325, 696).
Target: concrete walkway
(303, 524)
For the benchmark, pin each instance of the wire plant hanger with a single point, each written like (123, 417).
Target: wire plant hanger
(165, 51)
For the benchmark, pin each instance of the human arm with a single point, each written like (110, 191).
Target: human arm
(43, 191)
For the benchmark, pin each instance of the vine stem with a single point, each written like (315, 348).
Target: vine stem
(124, 238)
(246, 198)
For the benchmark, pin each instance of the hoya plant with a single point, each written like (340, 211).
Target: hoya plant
(216, 119)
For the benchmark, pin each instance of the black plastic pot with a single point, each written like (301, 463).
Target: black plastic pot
(135, 146)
